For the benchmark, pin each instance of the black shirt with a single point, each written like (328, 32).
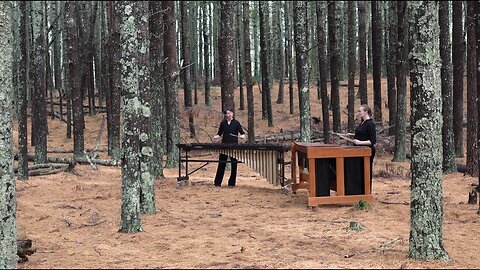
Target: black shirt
(366, 132)
(226, 129)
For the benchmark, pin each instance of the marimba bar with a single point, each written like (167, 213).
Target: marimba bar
(266, 159)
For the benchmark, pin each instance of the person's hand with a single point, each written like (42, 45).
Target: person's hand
(216, 138)
(242, 138)
(356, 142)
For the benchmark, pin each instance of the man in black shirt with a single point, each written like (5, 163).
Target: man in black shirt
(228, 130)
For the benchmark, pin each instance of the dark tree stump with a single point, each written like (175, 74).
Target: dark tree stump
(24, 249)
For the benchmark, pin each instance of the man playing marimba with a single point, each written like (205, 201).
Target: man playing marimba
(228, 130)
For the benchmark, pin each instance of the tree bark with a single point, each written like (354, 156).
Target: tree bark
(362, 52)
(401, 80)
(206, 53)
(226, 40)
(240, 56)
(147, 189)
(248, 72)
(265, 62)
(449, 164)
(281, 57)
(299, 18)
(377, 60)
(472, 117)
(322, 64)
(171, 73)
(74, 70)
(131, 164)
(426, 206)
(158, 90)
(67, 81)
(8, 239)
(334, 62)
(458, 56)
(22, 95)
(391, 61)
(39, 99)
(114, 148)
(187, 89)
(288, 38)
(351, 65)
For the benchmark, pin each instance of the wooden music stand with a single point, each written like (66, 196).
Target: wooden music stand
(312, 152)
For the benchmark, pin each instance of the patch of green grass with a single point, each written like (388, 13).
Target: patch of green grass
(361, 205)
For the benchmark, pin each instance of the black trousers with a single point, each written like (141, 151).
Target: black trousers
(221, 171)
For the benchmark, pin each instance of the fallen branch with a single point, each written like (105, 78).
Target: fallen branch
(66, 151)
(81, 160)
(91, 224)
(46, 171)
(40, 166)
(404, 202)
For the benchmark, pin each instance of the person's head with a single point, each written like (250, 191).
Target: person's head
(228, 114)
(364, 112)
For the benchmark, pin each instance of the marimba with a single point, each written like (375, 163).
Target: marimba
(324, 167)
(266, 159)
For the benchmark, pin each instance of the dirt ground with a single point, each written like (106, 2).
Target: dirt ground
(73, 219)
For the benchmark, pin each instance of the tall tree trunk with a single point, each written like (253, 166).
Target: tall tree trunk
(187, 89)
(206, 53)
(333, 51)
(391, 61)
(15, 23)
(426, 207)
(145, 95)
(401, 79)
(477, 32)
(265, 62)
(22, 94)
(281, 56)
(48, 62)
(240, 56)
(449, 164)
(97, 56)
(472, 118)
(74, 70)
(67, 80)
(377, 60)
(256, 43)
(458, 56)
(299, 18)
(114, 147)
(8, 239)
(132, 110)
(215, 23)
(171, 84)
(40, 83)
(351, 65)
(322, 65)
(159, 123)
(226, 40)
(362, 52)
(248, 72)
(194, 53)
(57, 55)
(288, 38)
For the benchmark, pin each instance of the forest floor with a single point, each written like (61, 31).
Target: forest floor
(73, 219)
